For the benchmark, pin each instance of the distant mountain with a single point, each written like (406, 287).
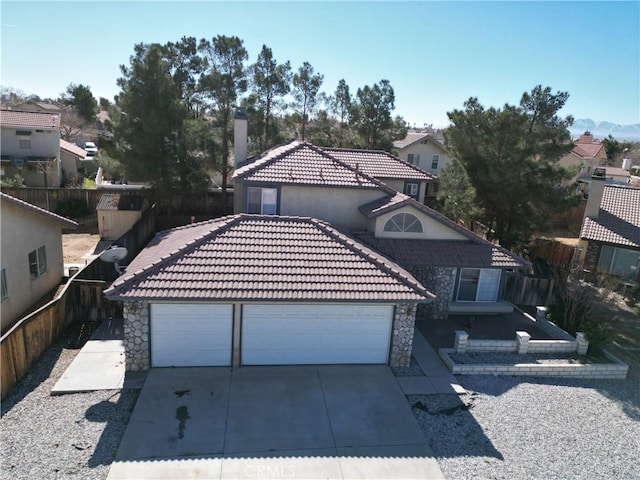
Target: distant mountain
(601, 130)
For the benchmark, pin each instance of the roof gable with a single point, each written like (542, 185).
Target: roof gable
(300, 163)
(587, 150)
(32, 208)
(415, 137)
(618, 220)
(14, 118)
(379, 164)
(264, 258)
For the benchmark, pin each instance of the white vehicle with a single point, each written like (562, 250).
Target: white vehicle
(90, 148)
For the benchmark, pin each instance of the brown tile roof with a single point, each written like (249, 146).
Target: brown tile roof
(618, 220)
(72, 148)
(300, 163)
(443, 253)
(413, 137)
(379, 164)
(390, 203)
(14, 118)
(28, 206)
(587, 150)
(264, 258)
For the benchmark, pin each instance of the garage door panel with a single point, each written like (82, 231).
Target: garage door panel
(315, 334)
(191, 335)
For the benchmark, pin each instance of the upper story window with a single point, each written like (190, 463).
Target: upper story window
(434, 162)
(413, 158)
(23, 132)
(25, 144)
(38, 262)
(403, 222)
(3, 282)
(412, 189)
(262, 200)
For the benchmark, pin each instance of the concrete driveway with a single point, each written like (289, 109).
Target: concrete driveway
(273, 422)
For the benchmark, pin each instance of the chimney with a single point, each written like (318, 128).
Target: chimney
(596, 189)
(240, 136)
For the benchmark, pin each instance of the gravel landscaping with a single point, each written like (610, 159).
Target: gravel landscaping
(519, 427)
(66, 436)
(503, 358)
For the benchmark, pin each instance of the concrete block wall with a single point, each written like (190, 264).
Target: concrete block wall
(549, 327)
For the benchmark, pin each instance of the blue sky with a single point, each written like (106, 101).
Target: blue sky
(435, 54)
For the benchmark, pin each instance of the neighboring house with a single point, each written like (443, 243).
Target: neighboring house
(30, 146)
(32, 260)
(610, 236)
(585, 157)
(74, 159)
(264, 290)
(118, 212)
(424, 151)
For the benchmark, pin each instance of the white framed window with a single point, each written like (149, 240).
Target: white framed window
(620, 262)
(3, 286)
(403, 222)
(434, 162)
(413, 158)
(38, 262)
(478, 284)
(262, 200)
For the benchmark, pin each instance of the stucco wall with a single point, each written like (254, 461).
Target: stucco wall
(338, 206)
(432, 229)
(44, 143)
(22, 232)
(426, 152)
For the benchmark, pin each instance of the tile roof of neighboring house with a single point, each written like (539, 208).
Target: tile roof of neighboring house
(617, 171)
(443, 253)
(379, 164)
(14, 118)
(618, 220)
(414, 137)
(121, 201)
(300, 163)
(587, 150)
(264, 258)
(390, 203)
(42, 105)
(28, 206)
(73, 149)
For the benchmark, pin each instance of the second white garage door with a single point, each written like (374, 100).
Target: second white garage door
(315, 334)
(190, 335)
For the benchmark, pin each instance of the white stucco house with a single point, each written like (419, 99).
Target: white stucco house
(32, 257)
(30, 146)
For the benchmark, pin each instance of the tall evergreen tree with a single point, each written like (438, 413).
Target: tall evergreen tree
(80, 97)
(306, 86)
(372, 119)
(510, 156)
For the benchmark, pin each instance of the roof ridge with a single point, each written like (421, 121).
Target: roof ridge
(264, 159)
(380, 260)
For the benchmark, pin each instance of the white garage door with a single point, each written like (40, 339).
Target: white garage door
(315, 334)
(184, 335)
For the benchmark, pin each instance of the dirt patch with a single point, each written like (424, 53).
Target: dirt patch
(77, 245)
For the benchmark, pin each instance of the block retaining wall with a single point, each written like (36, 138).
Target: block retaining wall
(617, 370)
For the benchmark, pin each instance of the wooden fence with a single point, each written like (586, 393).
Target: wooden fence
(556, 254)
(80, 299)
(522, 289)
(209, 204)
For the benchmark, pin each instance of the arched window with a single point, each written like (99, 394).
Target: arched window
(403, 222)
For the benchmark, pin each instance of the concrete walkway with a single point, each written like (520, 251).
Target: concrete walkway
(437, 379)
(100, 365)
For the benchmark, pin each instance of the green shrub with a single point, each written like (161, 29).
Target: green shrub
(72, 208)
(16, 182)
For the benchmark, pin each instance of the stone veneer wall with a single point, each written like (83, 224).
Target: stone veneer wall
(440, 281)
(404, 321)
(136, 335)
(591, 256)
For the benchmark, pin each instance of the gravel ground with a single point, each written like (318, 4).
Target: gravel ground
(531, 428)
(515, 358)
(66, 436)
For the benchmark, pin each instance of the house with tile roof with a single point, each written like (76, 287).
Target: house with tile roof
(30, 146)
(610, 235)
(323, 262)
(586, 155)
(74, 159)
(265, 290)
(32, 260)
